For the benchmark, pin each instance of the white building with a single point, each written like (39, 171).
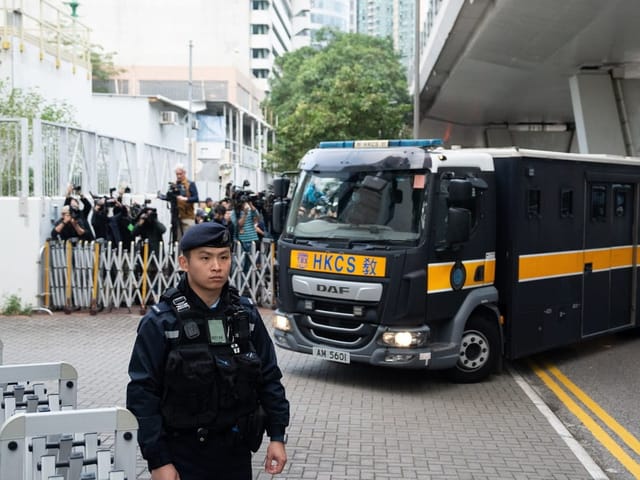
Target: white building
(309, 16)
(390, 18)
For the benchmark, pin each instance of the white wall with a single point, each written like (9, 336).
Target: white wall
(21, 244)
(25, 70)
(136, 119)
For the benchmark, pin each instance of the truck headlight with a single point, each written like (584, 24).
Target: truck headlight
(280, 322)
(404, 339)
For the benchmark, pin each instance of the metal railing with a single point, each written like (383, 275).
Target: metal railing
(42, 158)
(98, 276)
(53, 29)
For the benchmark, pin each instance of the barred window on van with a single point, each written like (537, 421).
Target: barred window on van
(533, 202)
(566, 203)
(598, 202)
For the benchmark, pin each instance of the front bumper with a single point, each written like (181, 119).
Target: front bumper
(429, 356)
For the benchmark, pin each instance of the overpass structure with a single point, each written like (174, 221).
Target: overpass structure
(538, 74)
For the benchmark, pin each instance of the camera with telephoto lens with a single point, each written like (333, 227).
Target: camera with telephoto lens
(175, 190)
(240, 197)
(148, 214)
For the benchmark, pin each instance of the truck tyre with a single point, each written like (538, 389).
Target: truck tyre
(479, 350)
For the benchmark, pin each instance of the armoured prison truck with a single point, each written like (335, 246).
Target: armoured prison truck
(405, 254)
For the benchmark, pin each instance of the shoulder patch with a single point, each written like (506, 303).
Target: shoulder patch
(171, 334)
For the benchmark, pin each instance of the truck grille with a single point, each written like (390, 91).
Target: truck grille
(342, 332)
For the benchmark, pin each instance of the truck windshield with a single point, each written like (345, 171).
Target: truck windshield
(358, 206)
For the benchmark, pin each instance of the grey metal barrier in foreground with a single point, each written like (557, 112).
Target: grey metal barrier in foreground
(26, 388)
(28, 452)
(97, 276)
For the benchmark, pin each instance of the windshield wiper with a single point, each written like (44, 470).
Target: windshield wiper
(371, 228)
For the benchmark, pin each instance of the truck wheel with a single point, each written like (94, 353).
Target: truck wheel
(479, 351)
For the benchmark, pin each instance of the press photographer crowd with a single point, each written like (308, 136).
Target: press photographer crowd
(116, 218)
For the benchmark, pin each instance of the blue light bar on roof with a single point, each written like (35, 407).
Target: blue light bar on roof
(339, 144)
(419, 142)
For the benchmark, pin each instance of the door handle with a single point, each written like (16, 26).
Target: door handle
(588, 267)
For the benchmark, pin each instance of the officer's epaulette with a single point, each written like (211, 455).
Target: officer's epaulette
(161, 307)
(246, 301)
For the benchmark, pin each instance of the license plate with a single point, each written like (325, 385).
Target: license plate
(332, 354)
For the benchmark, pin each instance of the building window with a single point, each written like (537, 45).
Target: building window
(260, 5)
(259, 29)
(259, 53)
(260, 72)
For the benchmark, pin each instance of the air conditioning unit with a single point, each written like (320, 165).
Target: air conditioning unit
(168, 118)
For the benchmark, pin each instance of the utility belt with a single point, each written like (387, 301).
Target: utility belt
(248, 432)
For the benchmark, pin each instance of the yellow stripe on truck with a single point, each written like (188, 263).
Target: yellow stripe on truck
(561, 264)
(547, 265)
(439, 274)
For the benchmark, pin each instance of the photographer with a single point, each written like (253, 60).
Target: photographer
(71, 227)
(186, 196)
(100, 218)
(223, 217)
(79, 209)
(244, 217)
(147, 227)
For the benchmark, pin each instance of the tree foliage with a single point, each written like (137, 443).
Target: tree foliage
(354, 87)
(19, 103)
(103, 69)
(29, 104)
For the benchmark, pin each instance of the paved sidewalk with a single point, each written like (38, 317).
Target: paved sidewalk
(348, 421)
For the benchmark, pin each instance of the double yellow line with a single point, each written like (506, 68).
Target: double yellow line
(547, 375)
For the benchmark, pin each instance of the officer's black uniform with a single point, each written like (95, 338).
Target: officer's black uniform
(167, 395)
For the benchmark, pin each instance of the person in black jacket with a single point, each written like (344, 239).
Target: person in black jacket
(205, 382)
(71, 227)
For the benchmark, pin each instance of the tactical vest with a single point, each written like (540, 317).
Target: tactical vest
(209, 385)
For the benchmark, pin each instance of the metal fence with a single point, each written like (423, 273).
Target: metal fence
(97, 276)
(40, 158)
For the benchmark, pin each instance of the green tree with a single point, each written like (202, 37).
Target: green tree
(19, 103)
(29, 104)
(353, 87)
(102, 69)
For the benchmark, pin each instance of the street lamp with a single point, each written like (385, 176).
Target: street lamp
(416, 73)
(189, 117)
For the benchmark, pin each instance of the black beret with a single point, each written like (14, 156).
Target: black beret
(206, 234)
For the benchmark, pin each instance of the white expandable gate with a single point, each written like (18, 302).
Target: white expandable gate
(32, 447)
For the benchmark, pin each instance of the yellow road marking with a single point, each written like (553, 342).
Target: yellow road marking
(611, 422)
(596, 430)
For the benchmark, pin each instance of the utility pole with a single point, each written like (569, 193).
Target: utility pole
(189, 116)
(416, 73)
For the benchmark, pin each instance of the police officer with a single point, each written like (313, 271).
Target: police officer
(205, 382)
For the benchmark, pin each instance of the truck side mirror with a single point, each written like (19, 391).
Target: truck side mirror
(460, 191)
(279, 215)
(281, 187)
(458, 225)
